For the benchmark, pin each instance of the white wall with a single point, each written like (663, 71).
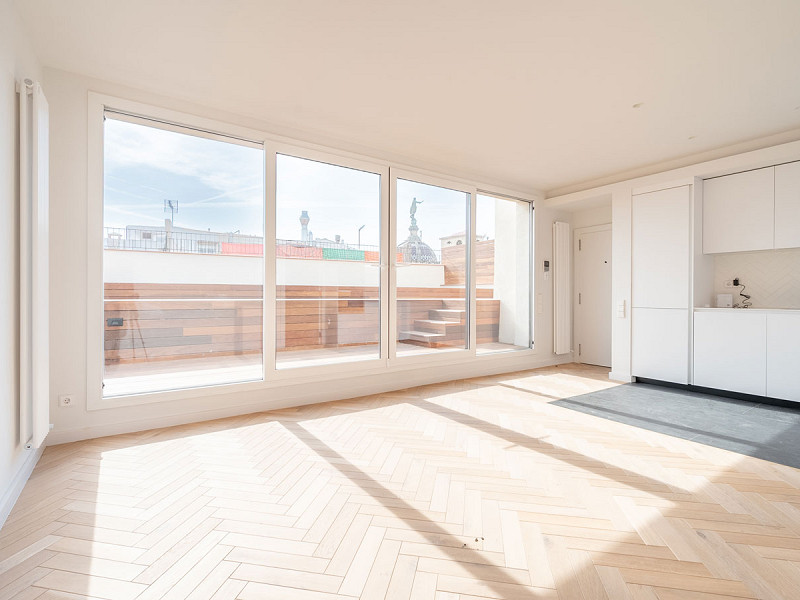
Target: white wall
(589, 217)
(131, 266)
(299, 271)
(772, 277)
(68, 96)
(511, 270)
(17, 61)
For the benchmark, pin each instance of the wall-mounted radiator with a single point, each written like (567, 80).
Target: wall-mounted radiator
(34, 273)
(562, 302)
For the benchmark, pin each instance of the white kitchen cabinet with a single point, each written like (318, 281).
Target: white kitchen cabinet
(739, 212)
(783, 356)
(660, 344)
(730, 350)
(787, 205)
(661, 230)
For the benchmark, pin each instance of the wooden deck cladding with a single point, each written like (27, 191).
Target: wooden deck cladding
(454, 259)
(178, 321)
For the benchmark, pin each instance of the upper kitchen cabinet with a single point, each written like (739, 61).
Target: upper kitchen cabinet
(661, 242)
(739, 212)
(787, 205)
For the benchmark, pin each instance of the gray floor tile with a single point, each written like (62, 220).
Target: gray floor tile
(764, 431)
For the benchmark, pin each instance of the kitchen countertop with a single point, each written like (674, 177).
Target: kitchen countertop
(749, 310)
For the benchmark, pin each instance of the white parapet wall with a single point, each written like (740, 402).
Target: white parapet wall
(512, 271)
(136, 266)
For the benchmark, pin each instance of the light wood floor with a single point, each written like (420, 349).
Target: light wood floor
(466, 490)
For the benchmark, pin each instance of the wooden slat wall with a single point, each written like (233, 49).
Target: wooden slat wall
(181, 290)
(171, 321)
(454, 261)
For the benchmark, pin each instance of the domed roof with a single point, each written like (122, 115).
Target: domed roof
(414, 250)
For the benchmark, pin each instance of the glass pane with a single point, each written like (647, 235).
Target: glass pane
(327, 263)
(502, 262)
(431, 268)
(183, 263)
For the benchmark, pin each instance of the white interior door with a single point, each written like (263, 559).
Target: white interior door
(593, 295)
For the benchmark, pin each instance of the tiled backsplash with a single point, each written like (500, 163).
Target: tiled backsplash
(772, 277)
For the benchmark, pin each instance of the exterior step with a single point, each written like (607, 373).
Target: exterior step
(421, 334)
(446, 328)
(435, 324)
(454, 304)
(455, 315)
(421, 338)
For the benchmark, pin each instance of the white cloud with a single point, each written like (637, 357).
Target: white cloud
(234, 171)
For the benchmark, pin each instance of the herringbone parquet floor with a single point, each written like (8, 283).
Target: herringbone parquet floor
(467, 490)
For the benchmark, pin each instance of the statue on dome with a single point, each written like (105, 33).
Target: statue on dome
(413, 211)
(414, 204)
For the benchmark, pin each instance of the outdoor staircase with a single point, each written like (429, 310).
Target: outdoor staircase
(444, 326)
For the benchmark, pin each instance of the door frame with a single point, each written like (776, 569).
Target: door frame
(576, 233)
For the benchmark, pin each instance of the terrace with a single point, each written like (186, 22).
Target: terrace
(164, 329)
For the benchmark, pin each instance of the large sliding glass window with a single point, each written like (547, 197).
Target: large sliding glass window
(432, 302)
(503, 274)
(183, 268)
(369, 270)
(328, 229)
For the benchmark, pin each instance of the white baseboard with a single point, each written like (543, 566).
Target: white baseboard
(18, 482)
(300, 395)
(621, 377)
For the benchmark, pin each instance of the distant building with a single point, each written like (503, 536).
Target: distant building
(457, 239)
(169, 238)
(305, 234)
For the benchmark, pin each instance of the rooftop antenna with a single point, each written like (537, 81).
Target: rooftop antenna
(171, 207)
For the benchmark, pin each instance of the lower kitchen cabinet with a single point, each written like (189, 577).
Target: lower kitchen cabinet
(783, 356)
(660, 344)
(730, 350)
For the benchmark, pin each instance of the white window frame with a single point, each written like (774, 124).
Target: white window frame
(134, 112)
(531, 270)
(292, 373)
(388, 363)
(434, 356)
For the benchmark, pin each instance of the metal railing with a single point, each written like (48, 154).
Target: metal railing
(235, 244)
(161, 240)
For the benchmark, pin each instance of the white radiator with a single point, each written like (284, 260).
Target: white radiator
(34, 208)
(562, 294)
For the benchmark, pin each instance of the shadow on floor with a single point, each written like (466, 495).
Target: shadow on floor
(760, 430)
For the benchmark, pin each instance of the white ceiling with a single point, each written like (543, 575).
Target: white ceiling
(533, 93)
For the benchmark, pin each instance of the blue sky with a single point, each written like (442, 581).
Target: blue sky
(219, 186)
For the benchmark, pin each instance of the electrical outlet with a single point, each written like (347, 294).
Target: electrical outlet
(729, 283)
(65, 400)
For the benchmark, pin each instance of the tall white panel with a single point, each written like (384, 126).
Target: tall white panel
(783, 355)
(562, 276)
(661, 228)
(34, 265)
